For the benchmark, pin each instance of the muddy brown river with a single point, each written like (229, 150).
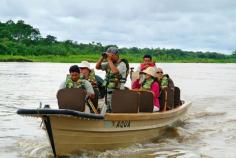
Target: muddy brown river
(208, 129)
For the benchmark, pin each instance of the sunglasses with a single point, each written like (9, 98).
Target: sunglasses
(160, 72)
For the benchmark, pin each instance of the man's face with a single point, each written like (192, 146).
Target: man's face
(147, 60)
(113, 57)
(74, 76)
(85, 71)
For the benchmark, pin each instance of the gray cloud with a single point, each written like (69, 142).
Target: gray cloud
(207, 25)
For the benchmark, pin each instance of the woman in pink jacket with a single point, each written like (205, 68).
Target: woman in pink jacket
(150, 84)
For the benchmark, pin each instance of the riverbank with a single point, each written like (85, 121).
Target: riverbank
(95, 57)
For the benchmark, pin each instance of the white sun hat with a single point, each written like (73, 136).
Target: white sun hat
(84, 64)
(151, 71)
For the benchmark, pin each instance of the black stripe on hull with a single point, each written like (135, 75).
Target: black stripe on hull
(47, 123)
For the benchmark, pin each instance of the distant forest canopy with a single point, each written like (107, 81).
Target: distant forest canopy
(18, 38)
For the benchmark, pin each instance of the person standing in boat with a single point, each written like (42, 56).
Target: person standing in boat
(147, 62)
(116, 72)
(73, 81)
(150, 83)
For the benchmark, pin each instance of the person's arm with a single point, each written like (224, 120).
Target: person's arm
(145, 66)
(136, 84)
(113, 68)
(155, 90)
(89, 89)
(99, 63)
(62, 85)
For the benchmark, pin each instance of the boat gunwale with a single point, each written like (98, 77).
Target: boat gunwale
(147, 115)
(107, 117)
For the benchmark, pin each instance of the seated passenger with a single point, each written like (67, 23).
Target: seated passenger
(96, 81)
(88, 74)
(147, 62)
(164, 79)
(150, 83)
(167, 91)
(73, 81)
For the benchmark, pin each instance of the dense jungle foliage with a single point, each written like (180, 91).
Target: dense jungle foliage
(22, 41)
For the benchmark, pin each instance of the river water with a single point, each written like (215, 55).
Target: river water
(208, 130)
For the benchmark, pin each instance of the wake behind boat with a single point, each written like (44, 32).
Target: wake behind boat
(132, 121)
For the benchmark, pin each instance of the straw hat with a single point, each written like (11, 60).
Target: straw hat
(151, 71)
(84, 64)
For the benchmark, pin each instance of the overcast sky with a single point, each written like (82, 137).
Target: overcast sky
(205, 25)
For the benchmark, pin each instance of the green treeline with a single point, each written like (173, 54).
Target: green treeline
(23, 42)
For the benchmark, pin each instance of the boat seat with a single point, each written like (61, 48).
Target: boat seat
(166, 99)
(71, 98)
(146, 101)
(125, 101)
(177, 101)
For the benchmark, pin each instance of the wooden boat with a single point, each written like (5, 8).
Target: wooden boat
(70, 131)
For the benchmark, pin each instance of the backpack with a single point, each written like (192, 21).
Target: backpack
(127, 66)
